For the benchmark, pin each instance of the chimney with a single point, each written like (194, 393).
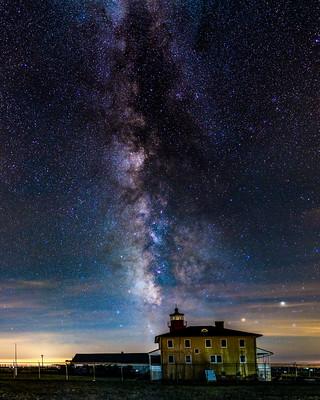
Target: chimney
(219, 324)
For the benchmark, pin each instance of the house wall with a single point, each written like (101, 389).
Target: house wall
(230, 365)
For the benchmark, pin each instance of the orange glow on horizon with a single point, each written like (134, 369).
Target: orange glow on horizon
(34, 361)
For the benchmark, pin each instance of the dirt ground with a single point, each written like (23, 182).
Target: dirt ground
(144, 390)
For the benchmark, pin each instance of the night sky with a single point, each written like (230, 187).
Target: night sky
(153, 153)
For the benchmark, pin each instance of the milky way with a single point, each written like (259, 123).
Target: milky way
(155, 153)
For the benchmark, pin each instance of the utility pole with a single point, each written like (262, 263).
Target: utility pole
(42, 360)
(67, 374)
(15, 373)
(94, 372)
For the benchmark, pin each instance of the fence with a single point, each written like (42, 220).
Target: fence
(197, 371)
(34, 370)
(175, 372)
(243, 371)
(68, 371)
(295, 371)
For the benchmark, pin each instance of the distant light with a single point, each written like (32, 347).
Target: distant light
(243, 320)
(283, 303)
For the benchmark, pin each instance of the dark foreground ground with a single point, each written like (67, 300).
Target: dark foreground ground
(139, 390)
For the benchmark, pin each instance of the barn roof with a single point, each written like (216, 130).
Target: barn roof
(112, 358)
(205, 331)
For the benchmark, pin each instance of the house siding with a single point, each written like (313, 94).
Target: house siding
(230, 366)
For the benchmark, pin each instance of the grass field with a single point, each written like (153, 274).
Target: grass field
(102, 390)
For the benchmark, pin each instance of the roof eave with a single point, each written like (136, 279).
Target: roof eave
(156, 340)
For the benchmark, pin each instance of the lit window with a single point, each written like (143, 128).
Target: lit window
(242, 359)
(170, 344)
(242, 343)
(208, 343)
(187, 343)
(223, 343)
(171, 359)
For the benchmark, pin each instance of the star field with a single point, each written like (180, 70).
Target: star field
(155, 153)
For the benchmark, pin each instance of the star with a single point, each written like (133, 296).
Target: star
(155, 153)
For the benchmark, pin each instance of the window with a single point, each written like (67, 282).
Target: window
(170, 344)
(223, 343)
(197, 351)
(242, 359)
(208, 343)
(171, 359)
(242, 343)
(216, 359)
(187, 343)
(188, 359)
(219, 359)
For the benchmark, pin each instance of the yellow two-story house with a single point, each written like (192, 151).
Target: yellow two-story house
(187, 352)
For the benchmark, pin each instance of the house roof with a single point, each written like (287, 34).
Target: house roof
(205, 331)
(263, 353)
(112, 358)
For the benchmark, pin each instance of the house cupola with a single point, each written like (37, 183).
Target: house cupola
(177, 321)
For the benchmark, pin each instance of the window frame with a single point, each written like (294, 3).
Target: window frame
(221, 359)
(173, 359)
(205, 343)
(244, 343)
(185, 359)
(187, 347)
(245, 359)
(172, 341)
(215, 357)
(226, 346)
(197, 351)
